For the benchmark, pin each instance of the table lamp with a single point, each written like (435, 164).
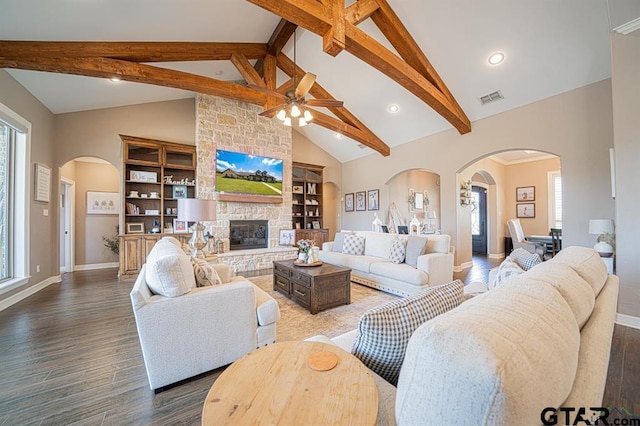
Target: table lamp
(196, 210)
(431, 216)
(602, 227)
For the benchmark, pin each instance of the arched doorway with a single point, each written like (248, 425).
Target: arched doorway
(412, 193)
(83, 232)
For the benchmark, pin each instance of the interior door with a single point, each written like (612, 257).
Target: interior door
(479, 220)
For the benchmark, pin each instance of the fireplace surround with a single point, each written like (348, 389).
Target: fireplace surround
(248, 234)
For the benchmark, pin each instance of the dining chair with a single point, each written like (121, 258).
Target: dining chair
(556, 240)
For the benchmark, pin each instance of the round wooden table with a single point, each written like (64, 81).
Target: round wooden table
(275, 385)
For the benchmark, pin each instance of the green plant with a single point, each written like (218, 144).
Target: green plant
(112, 243)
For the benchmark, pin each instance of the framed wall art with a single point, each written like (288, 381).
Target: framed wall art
(287, 237)
(526, 210)
(135, 228)
(373, 199)
(361, 201)
(180, 226)
(348, 202)
(179, 191)
(43, 182)
(525, 193)
(103, 202)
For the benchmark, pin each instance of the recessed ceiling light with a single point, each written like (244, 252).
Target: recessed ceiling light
(337, 135)
(219, 72)
(496, 58)
(393, 108)
(115, 79)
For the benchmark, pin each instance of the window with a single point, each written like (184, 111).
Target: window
(14, 214)
(555, 199)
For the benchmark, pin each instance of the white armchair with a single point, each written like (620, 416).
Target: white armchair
(204, 329)
(519, 241)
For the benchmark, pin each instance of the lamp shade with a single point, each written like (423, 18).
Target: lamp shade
(600, 226)
(196, 210)
(431, 215)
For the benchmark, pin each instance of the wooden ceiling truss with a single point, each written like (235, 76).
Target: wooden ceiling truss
(330, 19)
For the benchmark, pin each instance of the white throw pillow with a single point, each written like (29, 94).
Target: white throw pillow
(205, 273)
(525, 259)
(353, 244)
(416, 246)
(338, 242)
(384, 332)
(506, 270)
(170, 274)
(398, 251)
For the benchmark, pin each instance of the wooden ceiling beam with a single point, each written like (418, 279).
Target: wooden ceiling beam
(269, 69)
(360, 11)
(315, 17)
(279, 38)
(394, 30)
(131, 51)
(364, 137)
(333, 40)
(247, 71)
(139, 73)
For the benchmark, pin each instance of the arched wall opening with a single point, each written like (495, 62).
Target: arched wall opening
(425, 206)
(502, 173)
(85, 181)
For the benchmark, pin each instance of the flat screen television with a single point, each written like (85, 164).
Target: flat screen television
(241, 173)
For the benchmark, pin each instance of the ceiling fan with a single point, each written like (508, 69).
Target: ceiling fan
(294, 105)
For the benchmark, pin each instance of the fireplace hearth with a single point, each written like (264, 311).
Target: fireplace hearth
(248, 234)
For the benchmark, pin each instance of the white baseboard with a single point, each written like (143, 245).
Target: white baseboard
(92, 266)
(628, 321)
(12, 300)
(465, 265)
(496, 255)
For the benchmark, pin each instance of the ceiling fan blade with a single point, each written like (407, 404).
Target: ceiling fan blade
(305, 85)
(267, 91)
(271, 112)
(329, 103)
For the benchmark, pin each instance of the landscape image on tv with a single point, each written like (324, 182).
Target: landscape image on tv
(242, 173)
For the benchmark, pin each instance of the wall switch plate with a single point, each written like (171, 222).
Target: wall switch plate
(45, 212)
(37, 268)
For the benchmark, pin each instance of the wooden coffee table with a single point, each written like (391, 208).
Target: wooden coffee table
(314, 287)
(275, 385)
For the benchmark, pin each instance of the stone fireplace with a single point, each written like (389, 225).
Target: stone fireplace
(248, 234)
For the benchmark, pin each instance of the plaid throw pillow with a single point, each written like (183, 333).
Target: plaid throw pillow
(353, 244)
(398, 250)
(384, 332)
(506, 270)
(205, 273)
(525, 259)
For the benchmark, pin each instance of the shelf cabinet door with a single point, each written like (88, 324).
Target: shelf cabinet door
(143, 153)
(179, 157)
(130, 256)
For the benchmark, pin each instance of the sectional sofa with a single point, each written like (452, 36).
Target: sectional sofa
(513, 355)
(428, 260)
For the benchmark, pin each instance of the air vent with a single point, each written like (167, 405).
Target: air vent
(491, 97)
(362, 146)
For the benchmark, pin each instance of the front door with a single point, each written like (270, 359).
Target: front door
(479, 220)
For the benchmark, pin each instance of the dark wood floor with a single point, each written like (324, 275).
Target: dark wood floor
(70, 355)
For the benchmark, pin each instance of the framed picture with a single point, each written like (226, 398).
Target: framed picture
(140, 176)
(373, 198)
(168, 228)
(384, 228)
(316, 224)
(298, 189)
(361, 202)
(180, 191)
(180, 226)
(135, 228)
(526, 193)
(287, 237)
(526, 210)
(403, 229)
(419, 200)
(43, 182)
(103, 202)
(348, 202)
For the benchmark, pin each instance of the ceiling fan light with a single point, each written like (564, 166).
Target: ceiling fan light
(282, 114)
(302, 122)
(307, 115)
(295, 111)
(287, 121)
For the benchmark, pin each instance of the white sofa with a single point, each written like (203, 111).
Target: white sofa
(203, 329)
(374, 269)
(540, 339)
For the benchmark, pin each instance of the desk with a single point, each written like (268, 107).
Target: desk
(275, 385)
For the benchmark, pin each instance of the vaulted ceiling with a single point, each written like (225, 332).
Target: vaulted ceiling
(550, 47)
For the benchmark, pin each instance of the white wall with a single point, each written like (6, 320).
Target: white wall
(576, 125)
(626, 108)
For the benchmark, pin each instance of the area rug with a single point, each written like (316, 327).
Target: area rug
(297, 323)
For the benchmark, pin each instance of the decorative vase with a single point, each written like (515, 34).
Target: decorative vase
(302, 257)
(312, 255)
